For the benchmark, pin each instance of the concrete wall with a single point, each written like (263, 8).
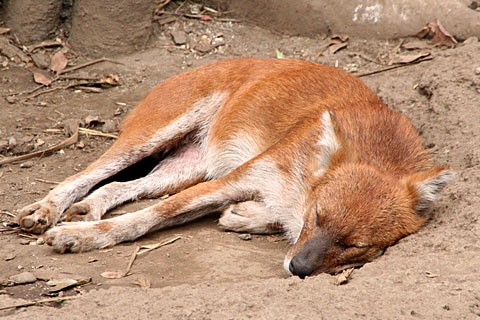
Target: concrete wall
(362, 18)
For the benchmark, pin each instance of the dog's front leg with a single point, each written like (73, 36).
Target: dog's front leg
(197, 201)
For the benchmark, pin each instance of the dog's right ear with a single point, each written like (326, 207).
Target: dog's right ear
(328, 144)
(427, 186)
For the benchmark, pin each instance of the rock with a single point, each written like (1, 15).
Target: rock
(41, 60)
(109, 126)
(9, 257)
(23, 278)
(477, 71)
(245, 236)
(179, 37)
(27, 164)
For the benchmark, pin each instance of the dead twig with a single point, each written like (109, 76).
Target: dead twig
(36, 302)
(92, 132)
(163, 4)
(86, 131)
(74, 77)
(8, 213)
(158, 245)
(47, 181)
(26, 91)
(73, 139)
(392, 67)
(48, 91)
(132, 259)
(86, 64)
(28, 236)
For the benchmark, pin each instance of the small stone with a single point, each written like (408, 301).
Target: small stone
(23, 278)
(179, 37)
(27, 164)
(245, 236)
(24, 242)
(11, 99)
(40, 241)
(12, 142)
(41, 60)
(9, 257)
(477, 71)
(109, 126)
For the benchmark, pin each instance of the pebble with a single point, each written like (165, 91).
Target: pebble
(245, 236)
(23, 278)
(9, 257)
(179, 37)
(477, 71)
(27, 164)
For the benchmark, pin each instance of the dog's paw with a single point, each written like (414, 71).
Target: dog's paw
(248, 216)
(79, 237)
(37, 217)
(80, 211)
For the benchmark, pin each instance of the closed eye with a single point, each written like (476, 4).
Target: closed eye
(359, 245)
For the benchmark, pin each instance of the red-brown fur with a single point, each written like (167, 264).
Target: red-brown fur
(371, 189)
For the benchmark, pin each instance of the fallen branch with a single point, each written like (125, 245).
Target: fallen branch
(36, 302)
(68, 142)
(392, 67)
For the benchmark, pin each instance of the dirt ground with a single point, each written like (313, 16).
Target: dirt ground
(210, 274)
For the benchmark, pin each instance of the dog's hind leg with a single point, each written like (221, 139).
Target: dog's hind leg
(142, 136)
(179, 171)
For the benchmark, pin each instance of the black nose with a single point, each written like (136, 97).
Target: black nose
(300, 267)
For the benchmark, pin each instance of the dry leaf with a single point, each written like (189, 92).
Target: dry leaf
(342, 278)
(335, 47)
(279, 54)
(407, 58)
(443, 37)
(418, 44)
(338, 38)
(438, 34)
(143, 282)
(58, 62)
(91, 121)
(70, 126)
(42, 78)
(66, 283)
(113, 274)
(109, 80)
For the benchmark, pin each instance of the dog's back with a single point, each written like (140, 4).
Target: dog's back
(284, 143)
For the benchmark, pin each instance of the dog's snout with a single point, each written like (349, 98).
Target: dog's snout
(300, 267)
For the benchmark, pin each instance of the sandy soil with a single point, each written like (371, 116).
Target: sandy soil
(210, 274)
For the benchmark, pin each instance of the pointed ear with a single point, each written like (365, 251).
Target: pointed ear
(427, 186)
(328, 144)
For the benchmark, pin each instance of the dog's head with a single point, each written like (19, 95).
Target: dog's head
(355, 211)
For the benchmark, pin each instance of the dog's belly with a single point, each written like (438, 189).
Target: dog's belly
(225, 156)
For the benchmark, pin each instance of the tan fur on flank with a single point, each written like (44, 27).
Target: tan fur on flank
(275, 144)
